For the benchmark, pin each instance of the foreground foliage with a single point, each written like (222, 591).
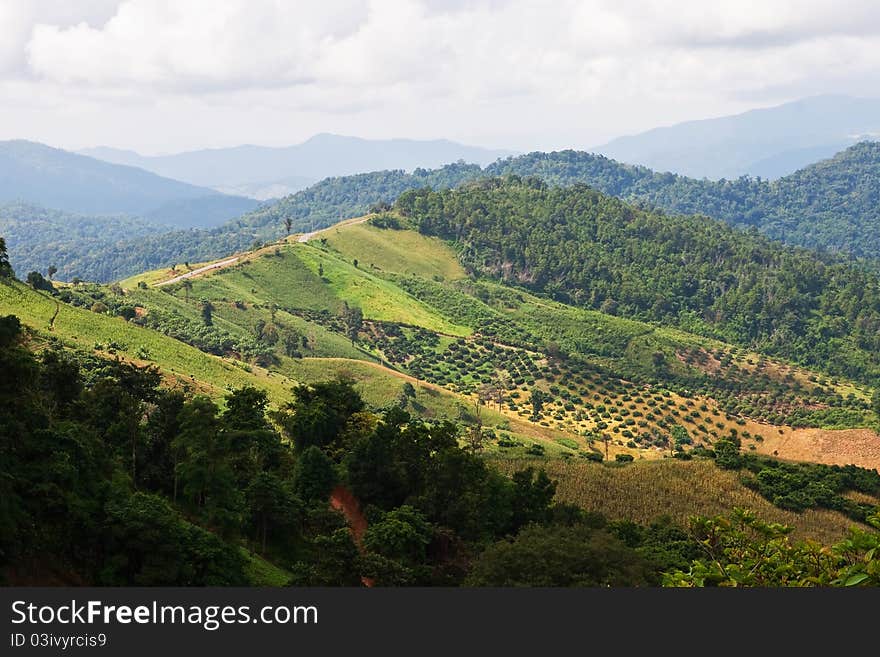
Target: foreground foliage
(742, 550)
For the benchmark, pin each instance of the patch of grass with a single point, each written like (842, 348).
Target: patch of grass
(263, 573)
(284, 280)
(645, 490)
(378, 298)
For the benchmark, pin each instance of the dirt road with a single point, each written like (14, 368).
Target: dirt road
(305, 237)
(197, 271)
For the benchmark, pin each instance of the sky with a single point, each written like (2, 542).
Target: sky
(160, 76)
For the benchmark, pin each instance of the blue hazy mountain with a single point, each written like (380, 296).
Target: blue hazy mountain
(770, 142)
(53, 178)
(264, 171)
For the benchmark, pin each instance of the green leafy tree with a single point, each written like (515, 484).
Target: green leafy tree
(742, 550)
(319, 413)
(314, 476)
(207, 312)
(538, 399)
(563, 556)
(205, 471)
(334, 562)
(397, 547)
(36, 280)
(727, 454)
(533, 494)
(272, 507)
(5, 267)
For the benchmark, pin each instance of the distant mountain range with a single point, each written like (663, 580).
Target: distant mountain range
(265, 172)
(770, 142)
(49, 177)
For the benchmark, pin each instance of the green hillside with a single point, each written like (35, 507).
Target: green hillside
(434, 382)
(113, 336)
(594, 251)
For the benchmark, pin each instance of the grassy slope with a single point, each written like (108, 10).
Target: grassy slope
(380, 299)
(397, 251)
(84, 330)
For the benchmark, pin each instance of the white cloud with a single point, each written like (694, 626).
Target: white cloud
(520, 70)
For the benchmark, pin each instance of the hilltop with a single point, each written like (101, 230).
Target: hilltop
(830, 205)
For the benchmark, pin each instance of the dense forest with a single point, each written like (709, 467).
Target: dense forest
(38, 238)
(831, 205)
(592, 250)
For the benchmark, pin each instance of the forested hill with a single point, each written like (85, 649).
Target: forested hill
(833, 205)
(594, 250)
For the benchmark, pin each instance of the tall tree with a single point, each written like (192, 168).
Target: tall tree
(5, 267)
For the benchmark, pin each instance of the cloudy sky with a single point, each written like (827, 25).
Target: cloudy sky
(169, 75)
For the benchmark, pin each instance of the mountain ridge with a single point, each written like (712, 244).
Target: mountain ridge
(321, 156)
(54, 178)
(771, 142)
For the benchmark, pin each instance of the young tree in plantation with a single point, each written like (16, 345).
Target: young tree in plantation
(288, 224)
(537, 399)
(187, 288)
(207, 312)
(353, 317)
